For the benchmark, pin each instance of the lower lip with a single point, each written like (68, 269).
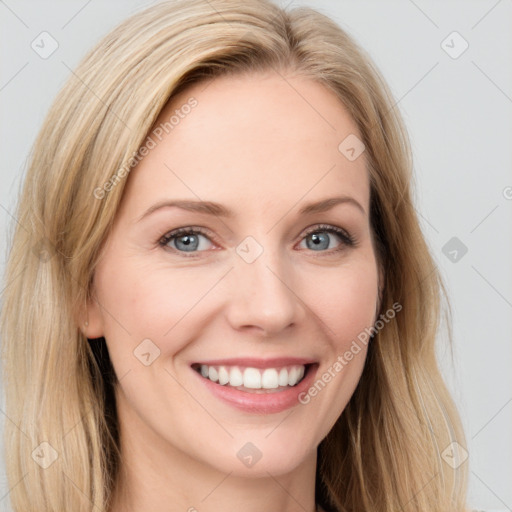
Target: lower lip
(261, 403)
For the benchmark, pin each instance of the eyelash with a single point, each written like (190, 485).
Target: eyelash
(346, 239)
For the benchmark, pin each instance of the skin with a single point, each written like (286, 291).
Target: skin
(263, 147)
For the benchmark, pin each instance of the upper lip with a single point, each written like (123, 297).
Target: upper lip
(252, 362)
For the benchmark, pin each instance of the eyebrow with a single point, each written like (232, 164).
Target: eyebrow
(212, 208)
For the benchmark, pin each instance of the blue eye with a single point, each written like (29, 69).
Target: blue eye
(188, 239)
(185, 239)
(319, 239)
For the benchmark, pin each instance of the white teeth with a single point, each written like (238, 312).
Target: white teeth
(253, 378)
(213, 375)
(292, 376)
(223, 376)
(235, 377)
(269, 379)
(283, 377)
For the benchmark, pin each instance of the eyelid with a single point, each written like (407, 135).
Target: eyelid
(330, 228)
(174, 233)
(348, 240)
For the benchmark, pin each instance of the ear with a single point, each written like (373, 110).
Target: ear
(92, 319)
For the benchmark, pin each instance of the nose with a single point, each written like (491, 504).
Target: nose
(263, 298)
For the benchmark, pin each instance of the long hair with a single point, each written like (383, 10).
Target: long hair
(61, 434)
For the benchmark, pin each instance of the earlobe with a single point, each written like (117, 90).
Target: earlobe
(92, 321)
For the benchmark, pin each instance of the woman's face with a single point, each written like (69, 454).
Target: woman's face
(258, 296)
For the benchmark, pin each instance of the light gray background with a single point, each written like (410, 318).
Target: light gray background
(459, 115)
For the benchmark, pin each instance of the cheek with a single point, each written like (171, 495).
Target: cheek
(148, 302)
(346, 301)
(345, 305)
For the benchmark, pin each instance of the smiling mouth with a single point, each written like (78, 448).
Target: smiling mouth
(254, 380)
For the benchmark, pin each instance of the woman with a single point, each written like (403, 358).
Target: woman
(223, 293)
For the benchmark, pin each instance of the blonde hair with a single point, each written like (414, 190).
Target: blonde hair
(384, 452)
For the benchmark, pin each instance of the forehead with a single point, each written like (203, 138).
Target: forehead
(256, 139)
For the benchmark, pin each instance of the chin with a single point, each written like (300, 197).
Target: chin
(256, 456)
